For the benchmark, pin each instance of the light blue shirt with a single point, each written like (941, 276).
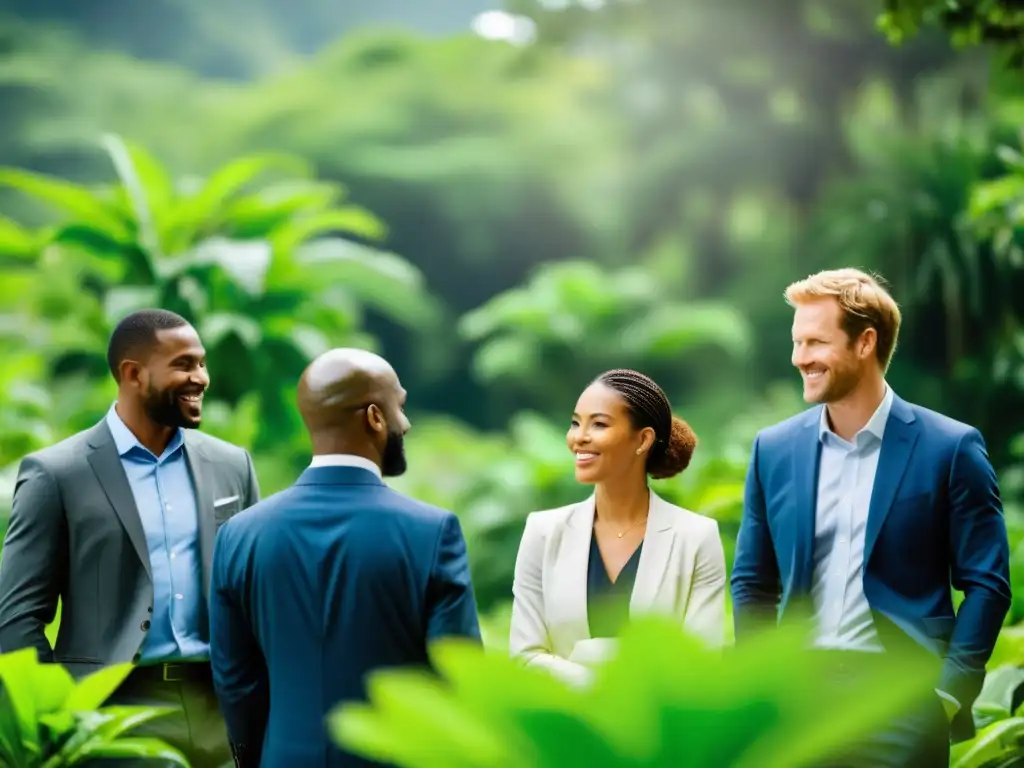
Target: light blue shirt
(166, 501)
(846, 478)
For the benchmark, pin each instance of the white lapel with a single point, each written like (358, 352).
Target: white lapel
(654, 557)
(568, 584)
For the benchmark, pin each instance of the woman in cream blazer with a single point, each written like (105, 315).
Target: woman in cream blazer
(585, 569)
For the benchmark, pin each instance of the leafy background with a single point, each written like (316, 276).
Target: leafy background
(606, 184)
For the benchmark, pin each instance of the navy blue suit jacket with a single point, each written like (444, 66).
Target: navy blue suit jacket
(935, 520)
(313, 588)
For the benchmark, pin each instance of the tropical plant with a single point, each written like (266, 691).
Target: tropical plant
(47, 720)
(587, 319)
(998, 715)
(271, 274)
(664, 699)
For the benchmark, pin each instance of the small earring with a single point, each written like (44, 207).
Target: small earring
(639, 451)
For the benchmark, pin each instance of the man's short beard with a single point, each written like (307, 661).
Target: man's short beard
(392, 461)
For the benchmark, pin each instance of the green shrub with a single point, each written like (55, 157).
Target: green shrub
(664, 700)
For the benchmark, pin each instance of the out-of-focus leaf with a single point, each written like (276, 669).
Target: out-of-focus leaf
(216, 327)
(72, 199)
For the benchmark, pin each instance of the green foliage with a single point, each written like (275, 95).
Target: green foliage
(590, 320)
(996, 22)
(662, 700)
(49, 721)
(266, 272)
(999, 742)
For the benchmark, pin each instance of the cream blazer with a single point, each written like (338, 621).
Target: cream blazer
(681, 574)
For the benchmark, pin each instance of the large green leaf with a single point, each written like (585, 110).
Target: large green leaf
(350, 220)
(662, 699)
(201, 213)
(138, 748)
(16, 242)
(92, 691)
(384, 281)
(244, 263)
(147, 187)
(992, 747)
(19, 676)
(72, 199)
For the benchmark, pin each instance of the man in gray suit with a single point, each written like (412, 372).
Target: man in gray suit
(118, 522)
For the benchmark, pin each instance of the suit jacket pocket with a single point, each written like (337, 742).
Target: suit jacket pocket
(224, 508)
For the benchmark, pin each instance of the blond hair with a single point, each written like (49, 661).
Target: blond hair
(864, 302)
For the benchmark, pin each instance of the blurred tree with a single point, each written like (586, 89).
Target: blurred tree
(914, 187)
(999, 23)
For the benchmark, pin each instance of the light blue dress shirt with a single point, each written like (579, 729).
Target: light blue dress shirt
(166, 501)
(846, 478)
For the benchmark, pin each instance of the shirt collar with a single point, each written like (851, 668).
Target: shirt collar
(875, 426)
(345, 460)
(126, 441)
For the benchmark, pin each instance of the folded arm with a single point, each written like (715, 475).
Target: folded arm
(33, 569)
(528, 637)
(980, 568)
(239, 669)
(705, 609)
(451, 603)
(756, 588)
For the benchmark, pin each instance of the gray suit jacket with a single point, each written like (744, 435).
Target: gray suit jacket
(75, 534)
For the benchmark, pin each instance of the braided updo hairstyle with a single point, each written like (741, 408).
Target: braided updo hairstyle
(648, 406)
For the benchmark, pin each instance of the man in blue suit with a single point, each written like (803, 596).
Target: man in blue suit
(332, 578)
(866, 509)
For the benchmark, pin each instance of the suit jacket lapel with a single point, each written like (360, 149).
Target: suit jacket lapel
(898, 442)
(654, 556)
(569, 582)
(806, 461)
(106, 464)
(201, 483)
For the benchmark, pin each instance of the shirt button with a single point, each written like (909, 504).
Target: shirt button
(168, 507)
(173, 555)
(145, 625)
(178, 597)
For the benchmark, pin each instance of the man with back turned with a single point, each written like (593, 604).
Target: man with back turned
(334, 577)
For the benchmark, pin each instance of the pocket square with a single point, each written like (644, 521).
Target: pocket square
(225, 500)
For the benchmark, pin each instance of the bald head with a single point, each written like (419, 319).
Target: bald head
(351, 402)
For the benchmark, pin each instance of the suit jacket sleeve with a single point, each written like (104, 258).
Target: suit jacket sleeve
(705, 609)
(756, 588)
(33, 569)
(528, 636)
(239, 670)
(451, 604)
(980, 568)
(253, 486)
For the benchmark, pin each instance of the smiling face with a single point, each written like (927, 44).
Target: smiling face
(171, 379)
(603, 439)
(831, 364)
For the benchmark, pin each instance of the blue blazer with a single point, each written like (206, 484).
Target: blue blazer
(935, 519)
(313, 588)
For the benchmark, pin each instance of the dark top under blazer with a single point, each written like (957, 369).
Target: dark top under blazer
(607, 600)
(313, 588)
